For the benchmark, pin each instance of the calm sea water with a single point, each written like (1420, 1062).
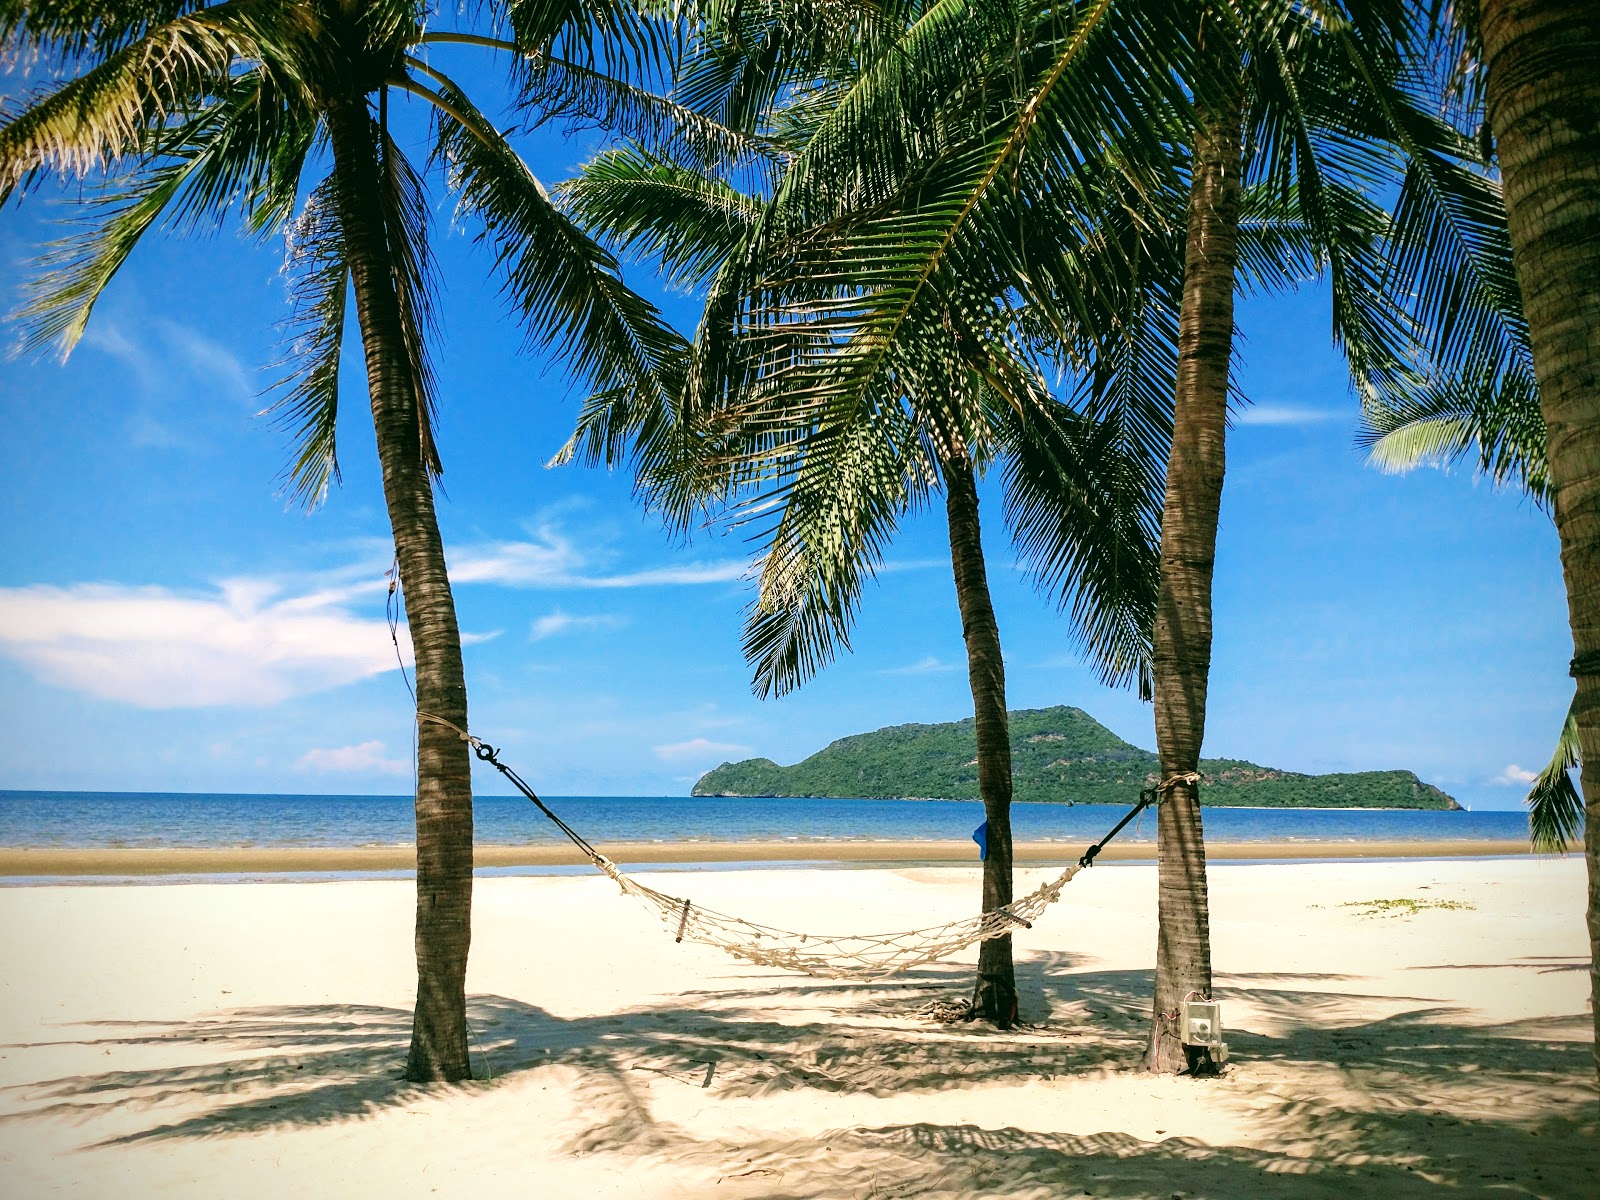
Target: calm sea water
(154, 819)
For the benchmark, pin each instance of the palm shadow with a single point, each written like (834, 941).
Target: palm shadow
(316, 1065)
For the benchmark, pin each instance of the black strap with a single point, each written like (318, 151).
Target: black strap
(488, 754)
(1147, 797)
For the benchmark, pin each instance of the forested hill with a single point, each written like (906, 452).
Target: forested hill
(1058, 754)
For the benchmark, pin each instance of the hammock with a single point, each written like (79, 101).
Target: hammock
(847, 956)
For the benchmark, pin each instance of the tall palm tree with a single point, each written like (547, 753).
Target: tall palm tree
(1308, 109)
(827, 466)
(188, 111)
(1541, 86)
(1505, 284)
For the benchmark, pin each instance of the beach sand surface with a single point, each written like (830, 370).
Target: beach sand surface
(45, 862)
(245, 1040)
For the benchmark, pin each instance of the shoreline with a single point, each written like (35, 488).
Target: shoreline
(185, 860)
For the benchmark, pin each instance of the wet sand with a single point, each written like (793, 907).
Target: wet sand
(53, 862)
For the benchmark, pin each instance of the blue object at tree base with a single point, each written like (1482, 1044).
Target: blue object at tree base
(981, 836)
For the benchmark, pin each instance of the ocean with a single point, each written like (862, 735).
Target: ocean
(159, 820)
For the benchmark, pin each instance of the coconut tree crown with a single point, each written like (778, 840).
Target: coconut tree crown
(186, 113)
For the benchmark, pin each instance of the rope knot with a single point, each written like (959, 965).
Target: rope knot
(451, 725)
(1172, 781)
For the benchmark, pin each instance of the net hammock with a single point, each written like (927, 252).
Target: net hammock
(862, 957)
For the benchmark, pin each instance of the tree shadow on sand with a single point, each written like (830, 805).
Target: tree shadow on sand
(1407, 1105)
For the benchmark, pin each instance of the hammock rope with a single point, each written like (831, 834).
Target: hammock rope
(846, 956)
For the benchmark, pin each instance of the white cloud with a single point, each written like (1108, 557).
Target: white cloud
(1514, 775)
(170, 365)
(927, 665)
(208, 359)
(558, 622)
(699, 748)
(155, 648)
(1284, 414)
(690, 573)
(367, 756)
(552, 559)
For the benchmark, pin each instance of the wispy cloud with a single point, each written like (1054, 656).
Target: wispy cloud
(927, 665)
(1284, 414)
(244, 644)
(553, 559)
(699, 749)
(169, 364)
(1515, 776)
(557, 623)
(366, 756)
(209, 360)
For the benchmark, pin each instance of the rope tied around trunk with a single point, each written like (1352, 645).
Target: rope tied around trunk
(846, 956)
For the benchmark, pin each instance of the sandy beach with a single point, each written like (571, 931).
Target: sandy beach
(48, 862)
(243, 1040)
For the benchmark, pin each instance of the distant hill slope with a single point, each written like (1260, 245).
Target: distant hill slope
(1058, 754)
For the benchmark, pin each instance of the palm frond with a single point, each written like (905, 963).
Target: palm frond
(1555, 806)
(306, 402)
(1084, 514)
(72, 28)
(243, 150)
(1443, 418)
(555, 89)
(565, 286)
(108, 112)
(839, 508)
(685, 220)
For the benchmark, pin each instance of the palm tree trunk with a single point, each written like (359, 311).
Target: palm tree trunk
(1182, 648)
(1542, 86)
(444, 768)
(995, 997)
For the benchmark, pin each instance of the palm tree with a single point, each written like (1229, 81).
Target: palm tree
(1310, 109)
(191, 111)
(1541, 89)
(828, 466)
(1505, 281)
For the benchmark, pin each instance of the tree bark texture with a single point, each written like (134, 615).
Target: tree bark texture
(1541, 62)
(1182, 645)
(444, 766)
(995, 996)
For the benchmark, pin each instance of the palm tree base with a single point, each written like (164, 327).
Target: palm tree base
(994, 999)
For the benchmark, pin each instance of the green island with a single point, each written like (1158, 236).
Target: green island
(1059, 755)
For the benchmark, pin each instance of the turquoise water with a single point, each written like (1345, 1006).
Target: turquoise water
(155, 820)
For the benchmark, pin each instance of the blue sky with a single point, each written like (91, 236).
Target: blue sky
(169, 622)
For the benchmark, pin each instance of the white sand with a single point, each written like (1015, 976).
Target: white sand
(243, 1040)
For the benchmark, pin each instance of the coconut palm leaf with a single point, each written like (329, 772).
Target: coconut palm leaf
(840, 507)
(172, 70)
(69, 28)
(307, 400)
(564, 285)
(1555, 806)
(245, 147)
(686, 220)
(1447, 417)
